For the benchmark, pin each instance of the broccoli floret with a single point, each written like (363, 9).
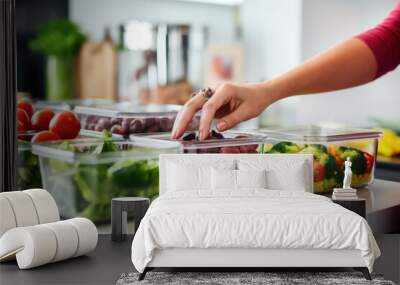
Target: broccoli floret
(329, 163)
(285, 147)
(316, 150)
(329, 183)
(358, 160)
(339, 176)
(319, 147)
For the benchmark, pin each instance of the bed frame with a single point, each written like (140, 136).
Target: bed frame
(245, 258)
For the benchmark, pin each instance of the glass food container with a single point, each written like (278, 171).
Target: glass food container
(226, 142)
(83, 175)
(28, 170)
(69, 105)
(330, 148)
(127, 119)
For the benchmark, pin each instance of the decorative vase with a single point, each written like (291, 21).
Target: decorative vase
(59, 78)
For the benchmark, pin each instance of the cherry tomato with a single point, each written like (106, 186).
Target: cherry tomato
(21, 127)
(26, 106)
(45, 136)
(22, 120)
(319, 171)
(41, 119)
(66, 124)
(370, 162)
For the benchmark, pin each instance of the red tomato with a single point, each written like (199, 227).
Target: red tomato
(45, 136)
(21, 127)
(41, 119)
(370, 162)
(339, 162)
(22, 120)
(66, 124)
(319, 171)
(26, 106)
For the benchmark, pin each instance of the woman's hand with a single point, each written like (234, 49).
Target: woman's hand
(349, 64)
(230, 104)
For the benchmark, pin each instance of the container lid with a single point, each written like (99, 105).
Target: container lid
(71, 104)
(95, 134)
(312, 133)
(24, 140)
(128, 110)
(90, 150)
(231, 138)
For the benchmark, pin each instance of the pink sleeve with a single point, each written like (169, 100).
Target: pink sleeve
(384, 41)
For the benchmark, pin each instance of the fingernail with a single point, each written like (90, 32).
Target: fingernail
(222, 126)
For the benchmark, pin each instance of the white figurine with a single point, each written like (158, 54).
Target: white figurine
(347, 174)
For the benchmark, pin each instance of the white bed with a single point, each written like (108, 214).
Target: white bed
(247, 227)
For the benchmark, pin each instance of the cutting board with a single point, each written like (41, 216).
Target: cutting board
(97, 71)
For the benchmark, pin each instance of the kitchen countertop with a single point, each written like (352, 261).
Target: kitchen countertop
(388, 162)
(110, 259)
(388, 168)
(382, 205)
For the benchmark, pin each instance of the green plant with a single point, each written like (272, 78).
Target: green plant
(58, 37)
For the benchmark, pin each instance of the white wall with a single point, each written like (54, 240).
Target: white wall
(326, 22)
(277, 35)
(95, 15)
(281, 34)
(271, 37)
(272, 45)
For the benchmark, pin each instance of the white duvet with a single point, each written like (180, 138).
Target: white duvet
(250, 219)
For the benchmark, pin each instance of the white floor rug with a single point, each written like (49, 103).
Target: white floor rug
(243, 278)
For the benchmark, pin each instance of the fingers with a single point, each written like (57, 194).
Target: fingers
(185, 115)
(231, 120)
(209, 110)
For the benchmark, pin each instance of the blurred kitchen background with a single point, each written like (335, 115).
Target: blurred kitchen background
(162, 50)
(87, 56)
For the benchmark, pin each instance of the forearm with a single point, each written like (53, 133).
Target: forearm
(348, 64)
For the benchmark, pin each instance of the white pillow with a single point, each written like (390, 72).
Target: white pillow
(193, 176)
(293, 180)
(223, 179)
(283, 172)
(251, 178)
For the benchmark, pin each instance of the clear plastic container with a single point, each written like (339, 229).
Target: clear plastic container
(83, 175)
(127, 119)
(28, 170)
(232, 142)
(69, 105)
(330, 148)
